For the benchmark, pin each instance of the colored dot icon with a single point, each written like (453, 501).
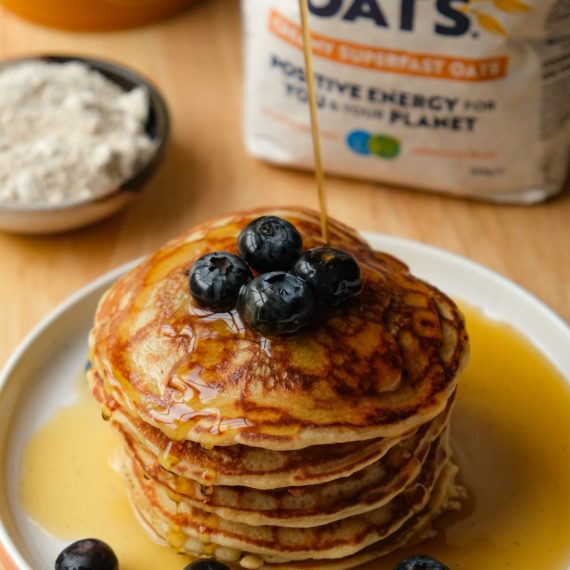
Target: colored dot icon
(365, 143)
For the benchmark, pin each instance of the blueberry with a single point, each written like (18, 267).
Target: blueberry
(420, 562)
(87, 554)
(216, 279)
(206, 564)
(276, 303)
(332, 273)
(270, 243)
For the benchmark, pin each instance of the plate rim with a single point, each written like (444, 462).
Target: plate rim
(477, 267)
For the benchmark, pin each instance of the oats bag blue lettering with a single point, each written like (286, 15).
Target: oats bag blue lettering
(457, 22)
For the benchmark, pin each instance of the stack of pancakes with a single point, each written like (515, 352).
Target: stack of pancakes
(322, 449)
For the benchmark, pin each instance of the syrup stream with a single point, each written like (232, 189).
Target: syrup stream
(310, 79)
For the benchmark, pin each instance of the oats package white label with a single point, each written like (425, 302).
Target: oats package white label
(470, 97)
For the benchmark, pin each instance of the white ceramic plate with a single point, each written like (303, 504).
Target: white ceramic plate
(38, 379)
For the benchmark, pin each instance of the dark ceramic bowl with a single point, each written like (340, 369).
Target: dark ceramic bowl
(49, 218)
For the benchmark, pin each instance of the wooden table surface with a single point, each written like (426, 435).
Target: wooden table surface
(196, 61)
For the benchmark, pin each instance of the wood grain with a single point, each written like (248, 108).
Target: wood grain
(195, 59)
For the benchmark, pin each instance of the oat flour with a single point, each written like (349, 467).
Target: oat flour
(67, 133)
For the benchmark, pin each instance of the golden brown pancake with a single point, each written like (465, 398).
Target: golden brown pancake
(305, 506)
(253, 467)
(379, 366)
(414, 531)
(338, 539)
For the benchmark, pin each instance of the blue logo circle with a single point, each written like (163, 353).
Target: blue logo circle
(358, 141)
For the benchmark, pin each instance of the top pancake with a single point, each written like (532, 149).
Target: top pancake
(378, 366)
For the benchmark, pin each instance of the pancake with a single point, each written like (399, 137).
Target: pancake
(253, 467)
(305, 506)
(378, 367)
(417, 529)
(341, 538)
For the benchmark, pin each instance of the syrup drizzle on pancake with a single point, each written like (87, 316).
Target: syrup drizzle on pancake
(379, 366)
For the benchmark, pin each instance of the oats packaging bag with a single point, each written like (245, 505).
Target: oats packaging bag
(470, 97)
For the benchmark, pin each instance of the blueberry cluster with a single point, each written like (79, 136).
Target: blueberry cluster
(283, 298)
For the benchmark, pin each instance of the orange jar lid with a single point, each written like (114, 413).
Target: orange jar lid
(95, 14)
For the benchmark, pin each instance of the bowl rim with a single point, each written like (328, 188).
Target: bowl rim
(157, 105)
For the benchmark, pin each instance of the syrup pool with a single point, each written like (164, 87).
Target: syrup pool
(509, 430)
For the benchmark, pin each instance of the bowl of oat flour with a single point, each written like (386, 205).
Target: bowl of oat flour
(79, 138)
